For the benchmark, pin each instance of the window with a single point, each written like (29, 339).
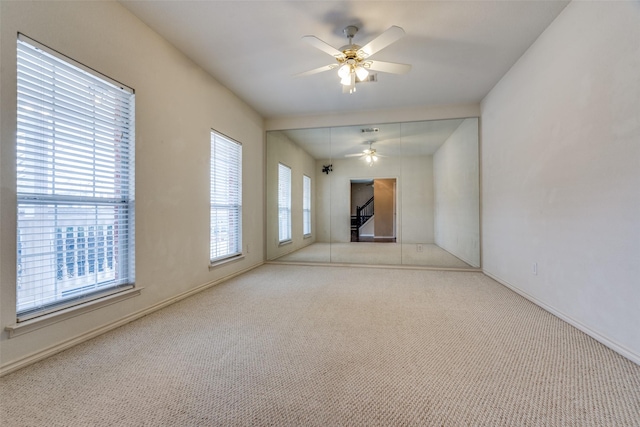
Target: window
(75, 188)
(226, 198)
(306, 205)
(284, 203)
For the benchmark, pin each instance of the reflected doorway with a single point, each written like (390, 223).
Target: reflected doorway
(373, 210)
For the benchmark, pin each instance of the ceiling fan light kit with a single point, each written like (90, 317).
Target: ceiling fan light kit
(371, 158)
(369, 155)
(361, 73)
(353, 61)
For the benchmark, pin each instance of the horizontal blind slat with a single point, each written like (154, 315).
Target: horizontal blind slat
(66, 120)
(54, 94)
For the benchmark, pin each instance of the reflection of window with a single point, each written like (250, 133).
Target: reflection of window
(284, 203)
(306, 205)
(226, 197)
(74, 181)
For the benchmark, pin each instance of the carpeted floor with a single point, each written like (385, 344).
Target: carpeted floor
(318, 346)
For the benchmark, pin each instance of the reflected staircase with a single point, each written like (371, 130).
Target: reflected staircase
(363, 214)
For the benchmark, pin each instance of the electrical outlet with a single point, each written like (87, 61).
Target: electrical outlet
(419, 248)
(535, 268)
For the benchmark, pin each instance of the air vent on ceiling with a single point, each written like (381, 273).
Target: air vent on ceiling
(371, 77)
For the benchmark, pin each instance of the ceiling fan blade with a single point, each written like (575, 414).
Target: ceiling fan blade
(326, 48)
(391, 35)
(317, 70)
(354, 155)
(389, 67)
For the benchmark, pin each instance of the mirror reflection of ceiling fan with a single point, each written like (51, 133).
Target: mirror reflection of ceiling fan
(353, 62)
(370, 154)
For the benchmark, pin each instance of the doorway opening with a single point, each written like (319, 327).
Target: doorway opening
(373, 210)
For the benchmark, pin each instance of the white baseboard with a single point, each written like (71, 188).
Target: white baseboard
(57, 348)
(613, 345)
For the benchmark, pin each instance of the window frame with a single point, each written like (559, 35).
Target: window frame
(235, 250)
(50, 86)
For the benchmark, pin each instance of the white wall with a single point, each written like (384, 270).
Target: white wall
(177, 104)
(457, 193)
(282, 150)
(561, 172)
(416, 202)
(414, 196)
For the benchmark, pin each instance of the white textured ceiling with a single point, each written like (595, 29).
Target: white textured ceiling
(458, 49)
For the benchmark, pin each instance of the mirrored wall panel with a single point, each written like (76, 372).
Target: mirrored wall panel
(383, 194)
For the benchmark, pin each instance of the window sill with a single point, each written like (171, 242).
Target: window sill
(306, 236)
(284, 243)
(218, 263)
(67, 313)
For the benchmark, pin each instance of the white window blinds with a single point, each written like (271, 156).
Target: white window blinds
(226, 197)
(284, 203)
(75, 189)
(306, 205)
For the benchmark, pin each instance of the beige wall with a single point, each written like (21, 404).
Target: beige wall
(177, 104)
(283, 150)
(360, 194)
(561, 172)
(417, 200)
(384, 192)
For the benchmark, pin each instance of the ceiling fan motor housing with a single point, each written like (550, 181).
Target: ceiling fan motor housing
(352, 52)
(350, 31)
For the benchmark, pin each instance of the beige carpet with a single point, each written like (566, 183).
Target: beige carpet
(376, 253)
(327, 346)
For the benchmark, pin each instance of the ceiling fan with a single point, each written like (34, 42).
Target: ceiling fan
(370, 154)
(352, 61)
